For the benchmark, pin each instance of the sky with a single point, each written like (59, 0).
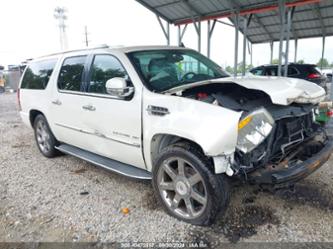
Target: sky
(29, 30)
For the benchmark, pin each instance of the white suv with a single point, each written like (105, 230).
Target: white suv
(172, 115)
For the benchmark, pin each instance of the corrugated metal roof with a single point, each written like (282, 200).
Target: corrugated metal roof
(311, 18)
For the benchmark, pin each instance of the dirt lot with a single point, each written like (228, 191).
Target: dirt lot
(67, 199)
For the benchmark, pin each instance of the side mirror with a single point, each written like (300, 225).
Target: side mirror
(117, 87)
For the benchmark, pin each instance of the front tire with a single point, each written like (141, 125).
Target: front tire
(45, 140)
(186, 187)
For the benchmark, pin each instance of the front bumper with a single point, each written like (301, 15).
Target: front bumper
(289, 175)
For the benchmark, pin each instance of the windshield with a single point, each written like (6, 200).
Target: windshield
(162, 70)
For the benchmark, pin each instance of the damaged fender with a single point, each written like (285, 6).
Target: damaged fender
(212, 127)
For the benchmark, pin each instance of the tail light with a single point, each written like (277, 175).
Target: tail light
(202, 95)
(314, 76)
(18, 99)
(329, 113)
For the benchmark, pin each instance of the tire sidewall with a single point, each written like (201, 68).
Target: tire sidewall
(53, 142)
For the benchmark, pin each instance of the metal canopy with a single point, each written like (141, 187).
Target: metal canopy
(310, 18)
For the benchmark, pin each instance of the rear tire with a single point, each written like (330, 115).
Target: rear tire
(44, 137)
(187, 188)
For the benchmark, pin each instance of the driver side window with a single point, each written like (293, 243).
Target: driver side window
(104, 67)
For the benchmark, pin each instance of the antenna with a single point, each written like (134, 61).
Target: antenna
(60, 15)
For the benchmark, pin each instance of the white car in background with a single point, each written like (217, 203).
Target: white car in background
(172, 115)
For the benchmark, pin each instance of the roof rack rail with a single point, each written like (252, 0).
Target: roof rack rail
(75, 50)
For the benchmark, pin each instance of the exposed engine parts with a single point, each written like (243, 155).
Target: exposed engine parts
(294, 130)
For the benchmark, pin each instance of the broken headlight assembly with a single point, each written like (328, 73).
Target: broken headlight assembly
(253, 129)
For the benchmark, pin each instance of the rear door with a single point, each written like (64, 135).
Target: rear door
(67, 103)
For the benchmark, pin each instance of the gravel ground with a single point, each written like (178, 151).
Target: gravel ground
(67, 199)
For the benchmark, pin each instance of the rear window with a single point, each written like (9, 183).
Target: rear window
(313, 70)
(71, 73)
(38, 74)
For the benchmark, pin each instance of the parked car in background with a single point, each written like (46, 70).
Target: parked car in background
(172, 115)
(308, 72)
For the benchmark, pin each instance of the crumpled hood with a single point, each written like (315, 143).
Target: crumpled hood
(282, 90)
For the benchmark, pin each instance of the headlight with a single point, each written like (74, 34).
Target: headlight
(253, 129)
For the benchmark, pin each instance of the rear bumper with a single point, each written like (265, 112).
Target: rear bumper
(290, 175)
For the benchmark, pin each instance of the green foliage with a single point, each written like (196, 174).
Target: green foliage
(230, 69)
(300, 61)
(275, 61)
(323, 63)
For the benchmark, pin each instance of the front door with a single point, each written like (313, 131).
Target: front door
(115, 122)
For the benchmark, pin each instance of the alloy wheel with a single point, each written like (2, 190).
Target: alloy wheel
(182, 188)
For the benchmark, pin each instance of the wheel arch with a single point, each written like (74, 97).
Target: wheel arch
(33, 113)
(161, 141)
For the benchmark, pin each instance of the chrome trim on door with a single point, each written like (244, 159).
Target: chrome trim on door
(98, 134)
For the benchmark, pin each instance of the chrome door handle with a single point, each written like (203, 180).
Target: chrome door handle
(56, 102)
(88, 108)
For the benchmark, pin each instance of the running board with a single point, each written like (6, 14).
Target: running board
(104, 162)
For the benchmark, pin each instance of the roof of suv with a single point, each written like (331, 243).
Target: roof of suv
(290, 64)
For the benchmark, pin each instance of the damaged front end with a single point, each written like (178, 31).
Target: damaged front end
(277, 144)
(295, 147)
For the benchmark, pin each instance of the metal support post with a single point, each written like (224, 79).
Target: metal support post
(199, 36)
(181, 34)
(271, 43)
(166, 30)
(322, 53)
(296, 46)
(251, 54)
(236, 44)
(282, 13)
(244, 45)
(210, 30)
(287, 43)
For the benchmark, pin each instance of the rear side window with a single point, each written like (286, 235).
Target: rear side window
(258, 71)
(292, 71)
(71, 73)
(38, 74)
(271, 71)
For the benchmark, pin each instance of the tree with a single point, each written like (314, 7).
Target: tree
(229, 69)
(249, 67)
(300, 61)
(275, 61)
(322, 63)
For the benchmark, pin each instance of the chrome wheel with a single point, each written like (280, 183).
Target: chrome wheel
(43, 136)
(182, 188)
